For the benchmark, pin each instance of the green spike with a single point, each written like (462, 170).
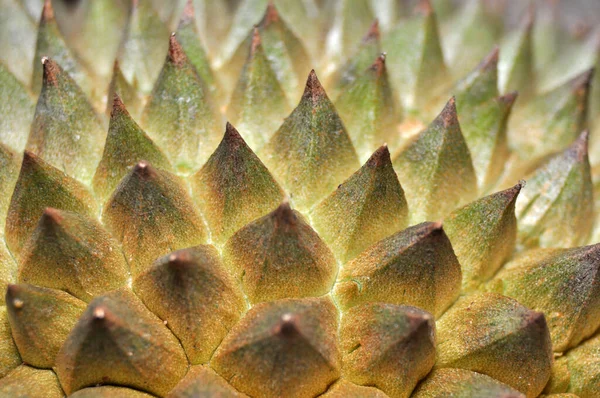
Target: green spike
(463, 383)
(470, 34)
(74, 253)
(93, 31)
(436, 168)
(415, 60)
(350, 19)
(121, 87)
(561, 283)
(517, 61)
(284, 50)
(276, 248)
(368, 107)
(180, 115)
(118, 341)
(16, 110)
(40, 320)
(556, 209)
(368, 50)
(258, 103)
(311, 152)
(577, 371)
(17, 40)
(483, 235)
(496, 336)
(191, 290)
(51, 44)
(203, 382)
(483, 117)
(40, 186)
(480, 85)
(126, 144)
(552, 119)
(29, 382)
(367, 207)
(387, 346)
(109, 392)
(416, 266)
(282, 348)
(234, 187)
(188, 36)
(66, 130)
(152, 214)
(345, 389)
(9, 355)
(143, 47)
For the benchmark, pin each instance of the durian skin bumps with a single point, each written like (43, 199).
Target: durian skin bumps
(299, 198)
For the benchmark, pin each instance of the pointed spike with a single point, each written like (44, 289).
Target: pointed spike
(368, 107)
(484, 234)
(203, 381)
(373, 34)
(191, 290)
(559, 190)
(120, 334)
(181, 116)
(65, 129)
(121, 87)
(552, 119)
(32, 312)
(311, 152)
(427, 275)
(462, 382)
(396, 346)
(19, 31)
(258, 102)
(276, 248)
(351, 18)
(26, 381)
(234, 187)
(365, 208)
(83, 273)
(126, 144)
(258, 355)
(517, 69)
(271, 14)
(144, 46)
(573, 314)
(417, 68)
(152, 214)
(40, 186)
(497, 336)
(436, 169)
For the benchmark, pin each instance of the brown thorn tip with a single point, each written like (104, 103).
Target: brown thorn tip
(491, 60)
(380, 156)
(179, 259)
(256, 41)
(143, 169)
(448, 114)
(284, 213)
(47, 11)
(437, 226)
(52, 214)
(583, 80)
(373, 32)
(313, 87)
(176, 54)
(231, 132)
(17, 303)
(99, 313)
(287, 326)
(510, 98)
(424, 7)
(118, 104)
(51, 71)
(271, 14)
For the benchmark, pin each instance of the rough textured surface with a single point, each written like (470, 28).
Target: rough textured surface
(282, 348)
(203, 382)
(416, 266)
(29, 382)
(367, 207)
(119, 341)
(387, 346)
(496, 336)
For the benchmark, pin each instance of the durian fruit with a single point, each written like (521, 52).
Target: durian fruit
(291, 198)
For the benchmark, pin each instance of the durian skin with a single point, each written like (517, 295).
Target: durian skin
(268, 306)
